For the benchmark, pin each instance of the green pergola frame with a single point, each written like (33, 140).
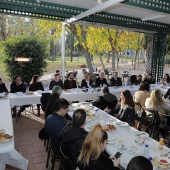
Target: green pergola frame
(45, 10)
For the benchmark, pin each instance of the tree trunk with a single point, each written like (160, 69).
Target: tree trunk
(71, 47)
(136, 54)
(52, 49)
(132, 56)
(101, 60)
(117, 54)
(108, 57)
(113, 59)
(139, 57)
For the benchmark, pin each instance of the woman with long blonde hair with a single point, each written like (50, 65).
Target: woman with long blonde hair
(92, 155)
(156, 102)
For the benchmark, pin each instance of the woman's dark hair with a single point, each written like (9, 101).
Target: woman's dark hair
(50, 105)
(128, 98)
(139, 163)
(87, 74)
(144, 86)
(168, 78)
(34, 79)
(0, 79)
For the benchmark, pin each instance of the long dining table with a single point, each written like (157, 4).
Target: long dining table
(124, 133)
(76, 94)
(8, 154)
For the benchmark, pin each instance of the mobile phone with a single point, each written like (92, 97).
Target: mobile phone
(118, 154)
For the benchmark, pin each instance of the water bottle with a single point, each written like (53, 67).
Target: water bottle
(97, 115)
(47, 88)
(151, 160)
(146, 152)
(100, 85)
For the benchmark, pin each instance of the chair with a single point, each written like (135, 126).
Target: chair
(164, 129)
(154, 123)
(66, 163)
(53, 156)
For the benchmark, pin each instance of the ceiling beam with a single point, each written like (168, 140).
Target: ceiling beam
(153, 17)
(99, 8)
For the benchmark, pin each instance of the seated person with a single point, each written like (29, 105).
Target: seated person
(56, 122)
(138, 80)
(34, 86)
(18, 86)
(127, 111)
(45, 96)
(70, 82)
(50, 105)
(139, 163)
(115, 80)
(56, 82)
(88, 82)
(141, 95)
(167, 95)
(166, 80)
(3, 87)
(149, 79)
(101, 81)
(157, 103)
(92, 156)
(106, 100)
(73, 136)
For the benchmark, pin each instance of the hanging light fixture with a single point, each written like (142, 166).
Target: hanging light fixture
(22, 59)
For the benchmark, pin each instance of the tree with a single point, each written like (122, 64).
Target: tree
(26, 47)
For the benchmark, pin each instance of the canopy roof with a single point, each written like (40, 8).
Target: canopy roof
(150, 16)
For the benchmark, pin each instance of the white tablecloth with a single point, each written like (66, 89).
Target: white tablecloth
(75, 95)
(128, 137)
(8, 154)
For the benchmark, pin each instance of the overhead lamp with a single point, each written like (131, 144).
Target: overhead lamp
(22, 59)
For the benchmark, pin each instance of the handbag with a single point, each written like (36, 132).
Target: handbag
(42, 134)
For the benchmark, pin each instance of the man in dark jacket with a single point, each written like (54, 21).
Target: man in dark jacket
(167, 95)
(56, 122)
(18, 86)
(106, 100)
(73, 135)
(115, 80)
(101, 81)
(56, 82)
(3, 87)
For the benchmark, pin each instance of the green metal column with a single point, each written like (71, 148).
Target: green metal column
(158, 56)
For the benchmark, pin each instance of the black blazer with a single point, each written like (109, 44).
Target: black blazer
(167, 94)
(17, 88)
(127, 114)
(114, 82)
(67, 84)
(102, 163)
(84, 83)
(149, 81)
(36, 86)
(54, 83)
(99, 81)
(3, 88)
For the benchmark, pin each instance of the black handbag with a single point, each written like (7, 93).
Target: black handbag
(42, 134)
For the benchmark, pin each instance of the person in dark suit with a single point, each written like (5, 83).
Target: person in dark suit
(115, 80)
(18, 86)
(3, 87)
(71, 144)
(101, 81)
(56, 82)
(88, 82)
(70, 82)
(34, 86)
(149, 79)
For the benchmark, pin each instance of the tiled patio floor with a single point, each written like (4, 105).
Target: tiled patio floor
(27, 142)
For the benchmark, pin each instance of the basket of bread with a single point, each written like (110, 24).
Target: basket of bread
(109, 127)
(4, 137)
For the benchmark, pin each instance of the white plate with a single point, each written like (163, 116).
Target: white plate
(121, 124)
(143, 135)
(166, 159)
(111, 142)
(132, 153)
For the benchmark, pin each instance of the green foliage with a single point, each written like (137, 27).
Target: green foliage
(24, 46)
